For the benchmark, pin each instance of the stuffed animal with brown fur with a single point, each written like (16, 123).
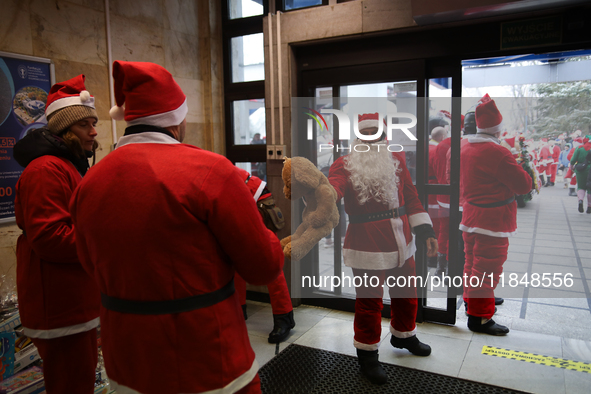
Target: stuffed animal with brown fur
(301, 178)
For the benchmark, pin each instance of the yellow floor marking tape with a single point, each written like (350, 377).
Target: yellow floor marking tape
(537, 359)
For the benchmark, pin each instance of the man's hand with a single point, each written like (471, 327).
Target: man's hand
(432, 247)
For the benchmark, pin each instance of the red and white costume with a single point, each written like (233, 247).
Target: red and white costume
(381, 248)
(278, 291)
(159, 222)
(489, 174)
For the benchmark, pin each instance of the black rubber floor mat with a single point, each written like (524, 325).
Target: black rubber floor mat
(303, 370)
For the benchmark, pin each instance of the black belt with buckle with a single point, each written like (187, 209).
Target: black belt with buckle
(494, 204)
(169, 306)
(372, 217)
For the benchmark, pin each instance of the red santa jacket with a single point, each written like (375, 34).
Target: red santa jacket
(545, 155)
(440, 168)
(158, 220)
(555, 151)
(56, 296)
(463, 142)
(380, 244)
(490, 174)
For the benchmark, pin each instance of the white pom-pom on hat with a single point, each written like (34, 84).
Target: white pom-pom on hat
(117, 113)
(84, 96)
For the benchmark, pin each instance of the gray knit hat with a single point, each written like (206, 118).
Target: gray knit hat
(67, 103)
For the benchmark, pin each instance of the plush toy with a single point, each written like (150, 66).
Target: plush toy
(301, 178)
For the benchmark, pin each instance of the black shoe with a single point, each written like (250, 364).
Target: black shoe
(412, 344)
(282, 325)
(244, 312)
(589, 209)
(571, 192)
(550, 184)
(490, 327)
(581, 209)
(441, 265)
(498, 301)
(370, 367)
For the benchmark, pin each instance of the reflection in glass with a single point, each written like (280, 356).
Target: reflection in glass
(295, 4)
(258, 169)
(249, 122)
(244, 8)
(248, 58)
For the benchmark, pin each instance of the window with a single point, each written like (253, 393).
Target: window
(245, 8)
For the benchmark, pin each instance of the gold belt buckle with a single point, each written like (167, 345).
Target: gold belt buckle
(395, 213)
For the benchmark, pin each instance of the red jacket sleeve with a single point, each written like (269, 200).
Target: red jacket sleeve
(44, 193)
(236, 223)
(338, 178)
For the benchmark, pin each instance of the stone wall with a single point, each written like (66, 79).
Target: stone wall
(184, 36)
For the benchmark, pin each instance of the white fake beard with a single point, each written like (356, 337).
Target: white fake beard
(373, 174)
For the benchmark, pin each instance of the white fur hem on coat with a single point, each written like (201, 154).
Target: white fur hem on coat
(487, 232)
(376, 260)
(62, 331)
(230, 388)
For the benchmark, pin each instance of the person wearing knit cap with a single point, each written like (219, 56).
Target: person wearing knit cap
(489, 179)
(384, 209)
(58, 300)
(164, 226)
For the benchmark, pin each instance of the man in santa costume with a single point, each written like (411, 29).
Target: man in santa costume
(383, 208)
(549, 155)
(162, 226)
(279, 296)
(489, 179)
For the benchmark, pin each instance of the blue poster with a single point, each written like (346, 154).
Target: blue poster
(24, 85)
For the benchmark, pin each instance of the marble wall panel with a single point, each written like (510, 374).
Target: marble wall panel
(15, 27)
(181, 16)
(150, 12)
(386, 14)
(98, 5)
(97, 82)
(194, 135)
(104, 138)
(63, 30)
(136, 41)
(181, 54)
(193, 89)
(321, 22)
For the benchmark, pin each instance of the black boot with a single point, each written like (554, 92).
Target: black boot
(370, 366)
(244, 312)
(581, 209)
(589, 209)
(572, 192)
(412, 344)
(499, 301)
(490, 327)
(441, 265)
(282, 325)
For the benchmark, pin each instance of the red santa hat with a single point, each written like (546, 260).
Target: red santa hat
(488, 117)
(511, 142)
(579, 140)
(67, 103)
(150, 94)
(366, 121)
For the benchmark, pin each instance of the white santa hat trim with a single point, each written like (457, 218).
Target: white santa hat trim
(368, 123)
(491, 130)
(165, 119)
(83, 99)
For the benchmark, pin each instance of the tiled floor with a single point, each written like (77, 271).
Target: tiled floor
(553, 238)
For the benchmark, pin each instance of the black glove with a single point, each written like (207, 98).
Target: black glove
(423, 232)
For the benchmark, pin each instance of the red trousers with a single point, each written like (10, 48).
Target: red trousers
(551, 171)
(69, 363)
(278, 293)
(485, 256)
(368, 304)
